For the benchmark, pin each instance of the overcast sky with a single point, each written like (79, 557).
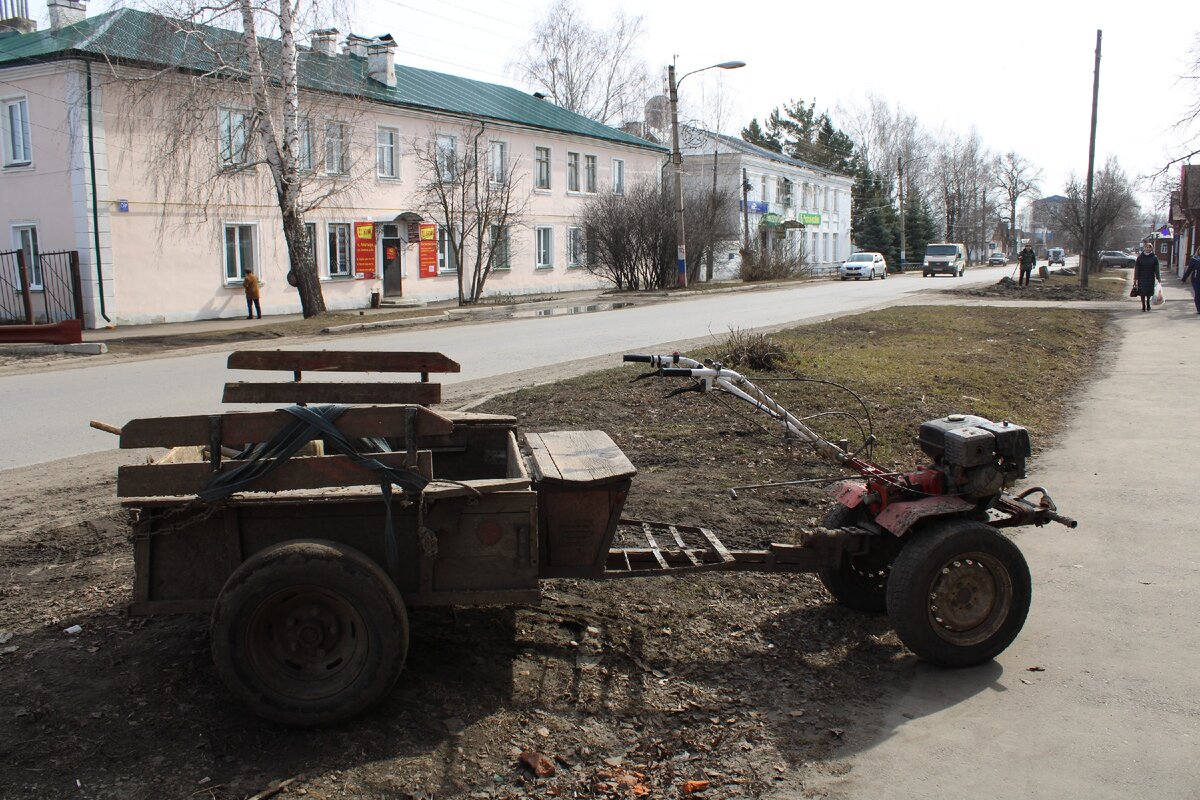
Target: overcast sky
(1019, 71)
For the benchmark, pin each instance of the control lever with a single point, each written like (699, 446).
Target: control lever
(698, 386)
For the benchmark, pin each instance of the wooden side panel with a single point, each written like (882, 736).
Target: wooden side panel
(239, 428)
(578, 457)
(359, 393)
(314, 472)
(341, 361)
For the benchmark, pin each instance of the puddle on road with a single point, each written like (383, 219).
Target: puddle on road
(562, 311)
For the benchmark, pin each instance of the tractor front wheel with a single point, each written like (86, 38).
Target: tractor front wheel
(958, 593)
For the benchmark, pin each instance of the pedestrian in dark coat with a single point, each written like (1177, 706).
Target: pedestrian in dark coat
(1146, 274)
(1193, 271)
(1028, 259)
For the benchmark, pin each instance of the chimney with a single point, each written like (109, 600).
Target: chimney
(324, 41)
(14, 17)
(356, 45)
(381, 60)
(64, 13)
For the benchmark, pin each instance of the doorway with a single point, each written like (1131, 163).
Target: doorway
(393, 253)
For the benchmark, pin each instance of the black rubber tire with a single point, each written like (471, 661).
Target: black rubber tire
(883, 277)
(309, 633)
(925, 274)
(959, 592)
(859, 582)
(872, 276)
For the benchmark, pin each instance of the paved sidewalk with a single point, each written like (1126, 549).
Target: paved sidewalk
(1114, 711)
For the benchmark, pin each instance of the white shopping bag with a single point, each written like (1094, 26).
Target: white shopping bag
(1158, 295)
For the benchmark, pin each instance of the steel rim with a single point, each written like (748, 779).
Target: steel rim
(969, 598)
(307, 643)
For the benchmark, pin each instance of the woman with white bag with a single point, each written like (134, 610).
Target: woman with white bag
(1146, 276)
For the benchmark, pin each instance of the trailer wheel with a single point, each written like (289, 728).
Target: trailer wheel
(959, 593)
(309, 633)
(859, 582)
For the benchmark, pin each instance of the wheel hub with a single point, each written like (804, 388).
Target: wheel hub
(967, 598)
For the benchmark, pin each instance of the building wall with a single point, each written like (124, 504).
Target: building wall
(163, 251)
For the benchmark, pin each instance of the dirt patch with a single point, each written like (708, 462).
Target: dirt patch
(628, 689)
(1110, 284)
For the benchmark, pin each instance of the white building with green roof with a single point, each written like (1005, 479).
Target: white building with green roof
(78, 150)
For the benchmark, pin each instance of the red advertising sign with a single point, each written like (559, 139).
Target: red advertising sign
(427, 251)
(364, 249)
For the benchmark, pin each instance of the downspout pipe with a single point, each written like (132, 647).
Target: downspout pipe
(95, 204)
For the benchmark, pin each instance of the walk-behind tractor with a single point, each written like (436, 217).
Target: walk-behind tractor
(305, 532)
(922, 545)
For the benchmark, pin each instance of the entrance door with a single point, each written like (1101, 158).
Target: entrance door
(393, 250)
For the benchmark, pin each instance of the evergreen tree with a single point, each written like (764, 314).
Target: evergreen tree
(754, 134)
(919, 227)
(875, 225)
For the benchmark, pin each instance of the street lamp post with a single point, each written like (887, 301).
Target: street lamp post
(677, 159)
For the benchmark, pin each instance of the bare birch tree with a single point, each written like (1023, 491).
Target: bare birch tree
(473, 192)
(1113, 206)
(238, 78)
(591, 71)
(1016, 177)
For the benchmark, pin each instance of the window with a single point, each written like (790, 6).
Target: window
(825, 200)
(235, 137)
(446, 260)
(762, 188)
(500, 247)
(544, 247)
(308, 146)
(816, 247)
(447, 154)
(336, 135)
(310, 231)
(386, 140)
(239, 251)
(618, 176)
(572, 172)
(825, 249)
(589, 174)
(542, 171)
(835, 247)
(340, 260)
(25, 239)
(575, 247)
(805, 195)
(784, 190)
(498, 162)
(17, 150)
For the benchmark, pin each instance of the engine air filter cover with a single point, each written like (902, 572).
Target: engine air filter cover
(969, 447)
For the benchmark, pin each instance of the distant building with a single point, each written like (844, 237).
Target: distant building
(792, 205)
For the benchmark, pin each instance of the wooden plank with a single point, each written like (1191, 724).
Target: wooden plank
(314, 472)
(341, 361)
(580, 457)
(716, 545)
(239, 428)
(658, 556)
(361, 393)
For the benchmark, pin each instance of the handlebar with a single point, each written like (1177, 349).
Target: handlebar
(676, 372)
(637, 357)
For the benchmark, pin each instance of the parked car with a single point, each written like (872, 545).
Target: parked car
(863, 265)
(1056, 255)
(1115, 258)
(997, 260)
(947, 258)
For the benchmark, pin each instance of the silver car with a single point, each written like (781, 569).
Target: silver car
(863, 265)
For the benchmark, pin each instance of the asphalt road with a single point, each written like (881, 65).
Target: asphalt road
(48, 411)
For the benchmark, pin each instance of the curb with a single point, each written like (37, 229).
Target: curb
(80, 349)
(387, 323)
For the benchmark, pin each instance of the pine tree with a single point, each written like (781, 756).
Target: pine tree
(754, 134)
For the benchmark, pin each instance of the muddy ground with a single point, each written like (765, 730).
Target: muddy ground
(630, 689)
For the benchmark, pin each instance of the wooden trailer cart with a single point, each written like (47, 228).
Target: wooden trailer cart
(307, 531)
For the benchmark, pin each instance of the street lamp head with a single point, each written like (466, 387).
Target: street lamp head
(730, 64)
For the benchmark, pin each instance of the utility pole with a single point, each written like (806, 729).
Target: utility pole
(903, 238)
(745, 216)
(708, 268)
(677, 161)
(1088, 244)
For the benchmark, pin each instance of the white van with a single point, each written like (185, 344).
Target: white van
(945, 259)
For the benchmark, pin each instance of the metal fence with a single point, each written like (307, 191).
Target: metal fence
(49, 292)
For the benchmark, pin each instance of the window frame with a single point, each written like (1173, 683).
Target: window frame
(331, 259)
(576, 247)
(33, 264)
(573, 163)
(501, 244)
(498, 167)
(238, 225)
(12, 158)
(445, 253)
(589, 174)
(393, 146)
(445, 153)
(225, 142)
(307, 145)
(343, 154)
(542, 160)
(618, 176)
(538, 232)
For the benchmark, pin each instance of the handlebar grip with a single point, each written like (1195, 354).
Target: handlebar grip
(641, 359)
(676, 372)
(1059, 518)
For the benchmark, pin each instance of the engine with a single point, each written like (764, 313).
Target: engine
(978, 457)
